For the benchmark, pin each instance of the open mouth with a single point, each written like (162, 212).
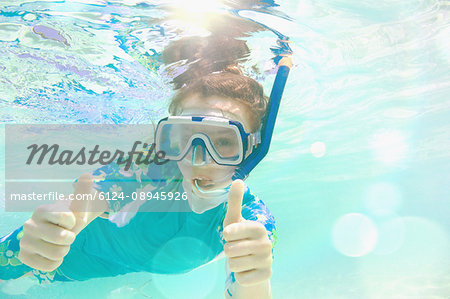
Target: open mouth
(206, 187)
(203, 183)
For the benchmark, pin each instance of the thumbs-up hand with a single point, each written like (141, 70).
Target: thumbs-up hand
(52, 228)
(81, 209)
(248, 248)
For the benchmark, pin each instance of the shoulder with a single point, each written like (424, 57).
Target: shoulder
(253, 208)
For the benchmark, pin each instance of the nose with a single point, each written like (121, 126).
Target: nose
(198, 155)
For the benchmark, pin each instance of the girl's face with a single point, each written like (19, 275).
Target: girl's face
(212, 176)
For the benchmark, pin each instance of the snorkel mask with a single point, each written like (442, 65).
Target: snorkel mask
(225, 140)
(202, 139)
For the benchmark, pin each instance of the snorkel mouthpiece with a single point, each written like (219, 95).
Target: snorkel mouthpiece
(216, 192)
(219, 192)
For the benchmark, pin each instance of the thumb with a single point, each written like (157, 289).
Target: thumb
(234, 208)
(81, 201)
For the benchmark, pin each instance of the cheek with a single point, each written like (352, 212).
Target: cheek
(223, 175)
(185, 168)
(224, 170)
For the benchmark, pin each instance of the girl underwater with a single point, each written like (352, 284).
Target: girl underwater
(219, 129)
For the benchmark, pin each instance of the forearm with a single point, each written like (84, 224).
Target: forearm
(10, 265)
(262, 290)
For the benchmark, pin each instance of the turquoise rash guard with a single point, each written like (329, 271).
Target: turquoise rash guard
(132, 241)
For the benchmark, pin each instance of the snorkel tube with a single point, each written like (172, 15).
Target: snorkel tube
(284, 66)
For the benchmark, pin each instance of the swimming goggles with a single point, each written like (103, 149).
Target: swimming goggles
(225, 140)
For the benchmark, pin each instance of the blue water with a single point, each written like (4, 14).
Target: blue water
(358, 170)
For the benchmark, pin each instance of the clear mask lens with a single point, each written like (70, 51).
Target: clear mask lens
(223, 143)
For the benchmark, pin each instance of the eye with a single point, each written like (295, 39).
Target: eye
(223, 142)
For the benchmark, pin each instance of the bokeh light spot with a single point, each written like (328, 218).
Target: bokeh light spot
(318, 149)
(389, 147)
(426, 243)
(382, 198)
(354, 235)
(391, 235)
(194, 284)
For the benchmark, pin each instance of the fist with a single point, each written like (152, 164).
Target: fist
(52, 228)
(248, 248)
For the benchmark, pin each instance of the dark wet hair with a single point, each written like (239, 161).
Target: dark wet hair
(203, 56)
(229, 83)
